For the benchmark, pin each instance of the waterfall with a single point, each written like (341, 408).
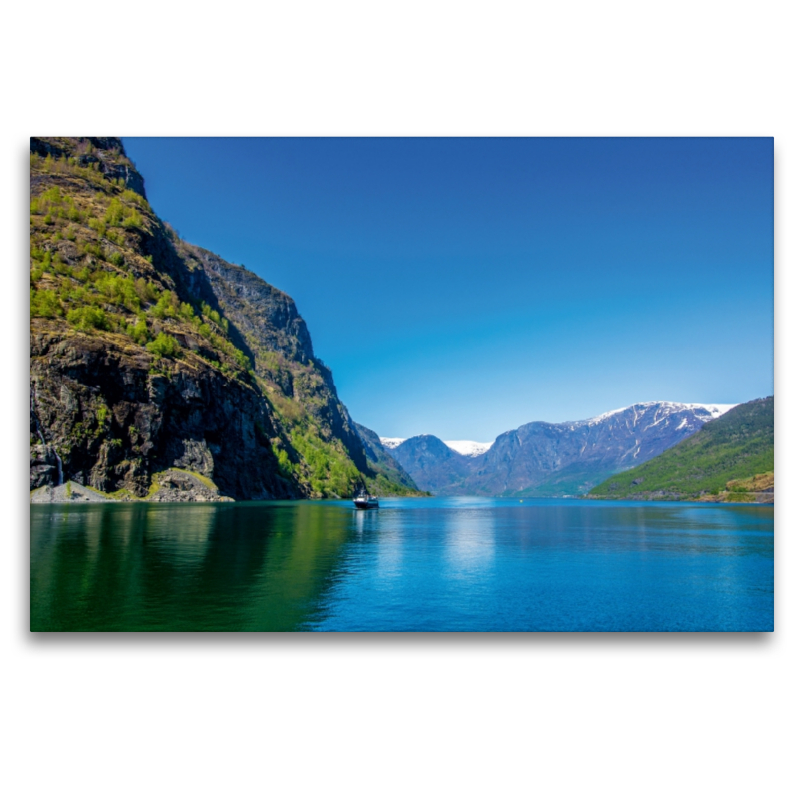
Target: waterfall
(60, 468)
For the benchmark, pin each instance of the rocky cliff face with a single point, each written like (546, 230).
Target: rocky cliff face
(115, 421)
(382, 468)
(278, 340)
(148, 353)
(547, 459)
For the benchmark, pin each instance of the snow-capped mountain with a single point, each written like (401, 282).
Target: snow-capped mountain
(546, 459)
(464, 447)
(468, 448)
(665, 408)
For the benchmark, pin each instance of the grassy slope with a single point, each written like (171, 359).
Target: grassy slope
(736, 446)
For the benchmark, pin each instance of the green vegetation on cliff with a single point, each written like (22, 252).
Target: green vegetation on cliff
(384, 474)
(149, 354)
(723, 456)
(90, 266)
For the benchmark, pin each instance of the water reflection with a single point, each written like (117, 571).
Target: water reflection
(469, 541)
(178, 532)
(177, 567)
(428, 564)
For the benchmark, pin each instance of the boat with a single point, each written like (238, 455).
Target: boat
(364, 500)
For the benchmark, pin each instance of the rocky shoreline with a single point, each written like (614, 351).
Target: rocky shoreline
(170, 486)
(763, 498)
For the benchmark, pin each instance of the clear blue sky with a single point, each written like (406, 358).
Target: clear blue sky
(464, 287)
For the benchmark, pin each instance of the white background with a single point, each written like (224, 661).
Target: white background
(637, 716)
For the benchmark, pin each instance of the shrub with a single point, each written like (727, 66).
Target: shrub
(77, 295)
(121, 291)
(284, 462)
(165, 307)
(59, 266)
(164, 345)
(97, 225)
(133, 220)
(88, 318)
(53, 195)
(133, 197)
(93, 249)
(114, 213)
(45, 304)
(139, 332)
(147, 291)
(241, 359)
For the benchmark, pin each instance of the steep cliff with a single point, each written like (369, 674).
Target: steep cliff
(384, 473)
(148, 353)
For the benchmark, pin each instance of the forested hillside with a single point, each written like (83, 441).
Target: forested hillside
(733, 449)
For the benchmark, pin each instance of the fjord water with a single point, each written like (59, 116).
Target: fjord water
(429, 564)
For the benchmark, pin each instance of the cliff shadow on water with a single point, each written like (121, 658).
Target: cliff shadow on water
(243, 566)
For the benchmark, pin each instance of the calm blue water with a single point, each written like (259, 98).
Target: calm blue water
(433, 564)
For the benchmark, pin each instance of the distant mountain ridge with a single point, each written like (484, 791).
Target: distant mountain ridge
(465, 447)
(725, 455)
(553, 459)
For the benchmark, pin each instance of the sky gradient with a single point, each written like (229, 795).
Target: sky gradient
(464, 287)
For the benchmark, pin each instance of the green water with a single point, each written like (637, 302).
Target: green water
(181, 567)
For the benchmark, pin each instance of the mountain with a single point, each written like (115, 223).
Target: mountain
(431, 463)
(385, 474)
(552, 459)
(152, 359)
(732, 455)
(464, 447)
(468, 448)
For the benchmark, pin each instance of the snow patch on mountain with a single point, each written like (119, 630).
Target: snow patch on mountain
(714, 410)
(469, 448)
(664, 410)
(605, 415)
